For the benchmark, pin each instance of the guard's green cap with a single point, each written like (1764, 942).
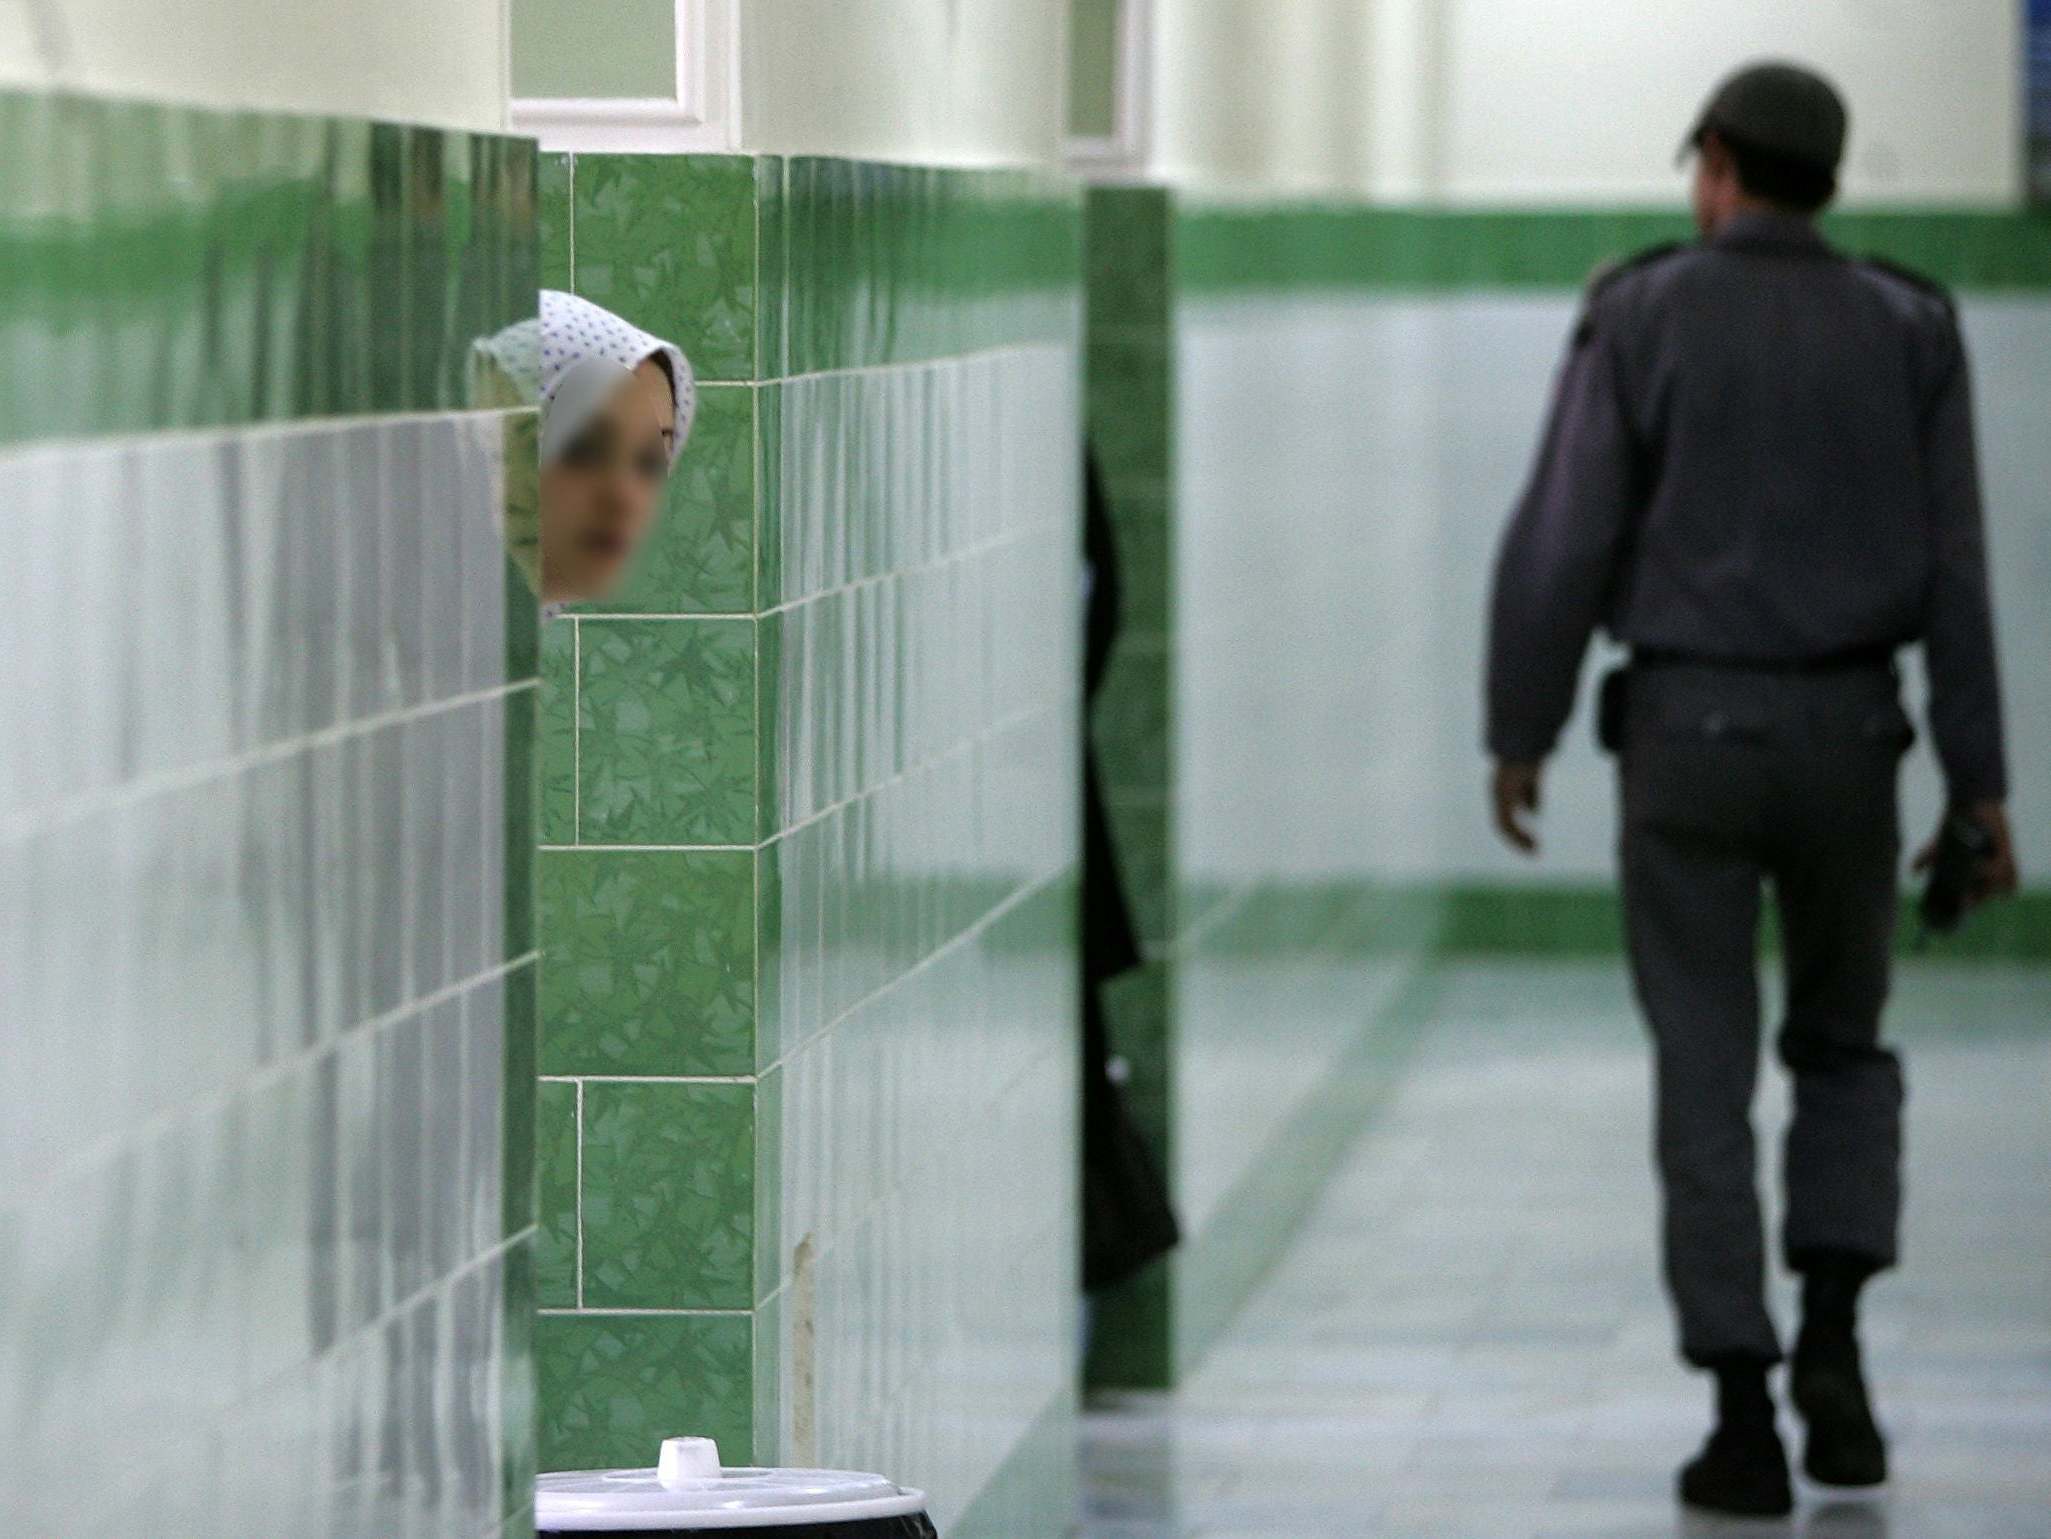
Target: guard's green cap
(1781, 109)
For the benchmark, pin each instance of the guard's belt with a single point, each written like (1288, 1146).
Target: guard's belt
(1851, 660)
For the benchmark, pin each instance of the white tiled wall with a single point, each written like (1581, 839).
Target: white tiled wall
(256, 1258)
(922, 1087)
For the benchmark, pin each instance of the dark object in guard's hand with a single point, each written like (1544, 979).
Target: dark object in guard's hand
(1962, 844)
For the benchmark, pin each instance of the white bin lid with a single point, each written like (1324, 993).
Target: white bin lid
(689, 1490)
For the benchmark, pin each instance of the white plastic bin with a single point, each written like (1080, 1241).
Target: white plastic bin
(689, 1492)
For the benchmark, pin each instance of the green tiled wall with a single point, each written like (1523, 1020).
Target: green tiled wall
(808, 834)
(266, 829)
(1129, 389)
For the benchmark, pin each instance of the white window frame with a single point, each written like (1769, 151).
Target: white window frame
(704, 114)
(1126, 147)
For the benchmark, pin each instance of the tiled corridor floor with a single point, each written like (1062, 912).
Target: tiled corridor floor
(1467, 1339)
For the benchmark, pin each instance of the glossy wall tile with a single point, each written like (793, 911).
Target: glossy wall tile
(808, 813)
(268, 267)
(266, 1204)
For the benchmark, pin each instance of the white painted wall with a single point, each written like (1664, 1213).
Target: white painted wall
(1560, 99)
(942, 82)
(437, 62)
(1563, 101)
(1265, 96)
(932, 82)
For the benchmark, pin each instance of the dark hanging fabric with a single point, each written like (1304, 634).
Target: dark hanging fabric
(1126, 1217)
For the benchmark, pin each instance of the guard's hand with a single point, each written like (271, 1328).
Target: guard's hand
(1514, 790)
(1996, 876)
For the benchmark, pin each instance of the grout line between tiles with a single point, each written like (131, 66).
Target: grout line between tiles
(580, 1194)
(646, 1079)
(755, 602)
(714, 1314)
(242, 432)
(266, 1075)
(832, 1240)
(938, 564)
(908, 366)
(397, 1310)
(22, 825)
(953, 943)
(646, 849)
(755, 336)
(998, 728)
(576, 729)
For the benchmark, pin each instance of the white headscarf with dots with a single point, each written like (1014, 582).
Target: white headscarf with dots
(574, 357)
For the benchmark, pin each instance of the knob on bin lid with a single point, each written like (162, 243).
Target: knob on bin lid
(689, 1490)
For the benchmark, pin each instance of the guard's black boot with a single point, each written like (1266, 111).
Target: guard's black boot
(1845, 1447)
(1742, 1470)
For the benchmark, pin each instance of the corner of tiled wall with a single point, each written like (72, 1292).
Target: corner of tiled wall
(807, 835)
(652, 704)
(1129, 378)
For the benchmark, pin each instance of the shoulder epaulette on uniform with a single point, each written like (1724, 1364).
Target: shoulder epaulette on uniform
(1609, 272)
(1914, 279)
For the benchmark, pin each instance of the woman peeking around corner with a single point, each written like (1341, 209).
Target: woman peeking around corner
(616, 406)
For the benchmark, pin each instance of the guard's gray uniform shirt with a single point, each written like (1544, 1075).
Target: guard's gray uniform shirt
(1762, 452)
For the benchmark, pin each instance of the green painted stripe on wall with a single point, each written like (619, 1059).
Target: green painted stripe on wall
(1555, 921)
(1573, 920)
(165, 267)
(1226, 249)
(1368, 918)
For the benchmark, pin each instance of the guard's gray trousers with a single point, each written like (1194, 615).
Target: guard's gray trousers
(1733, 781)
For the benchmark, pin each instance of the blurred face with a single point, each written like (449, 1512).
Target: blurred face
(600, 497)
